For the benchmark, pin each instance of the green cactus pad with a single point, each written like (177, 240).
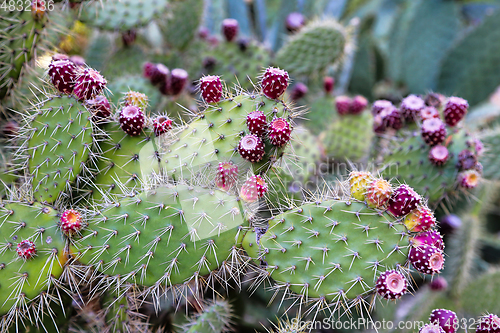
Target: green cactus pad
(165, 236)
(349, 137)
(237, 65)
(125, 161)
(491, 159)
(23, 281)
(59, 141)
(330, 249)
(214, 136)
(122, 15)
(321, 113)
(313, 49)
(407, 161)
(182, 24)
(214, 318)
(19, 36)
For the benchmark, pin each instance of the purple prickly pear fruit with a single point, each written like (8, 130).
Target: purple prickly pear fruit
(257, 123)
(203, 32)
(230, 28)
(469, 178)
(431, 328)
(251, 148)
(378, 124)
(161, 125)
(343, 105)
(295, 21)
(148, 70)
(10, 129)
(177, 81)
(438, 155)
(100, 107)
(466, 160)
(78, 61)
(298, 91)
(391, 284)
(449, 224)
(429, 113)
(26, 249)
(431, 237)
(359, 103)
(211, 88)
(88, 84)
(132, 120)
(254, 188)
(426, 259)
(391, 118)
(71, 222)
(274, 82)
(438, 284)
(456, 108)
(420, 219)
(279, 132)
(128, 37)
(328, 84)
(403, 201)
(433, 131)
(379, 105)
(62, 75)
(227, 175)
(159, 74)
(489, 323)
(411, 107)
(446, 319)
(434, 99)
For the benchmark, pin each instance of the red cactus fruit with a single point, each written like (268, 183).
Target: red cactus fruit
(446, 319)
(438, 155)
(427, 259)
(428, 113)
(257, 123)
(211, 88)
(466, 160)
(359, 103)
(251, 148)
(161, 125)
(403, 201)
(295, 21)
(378, 124)
(62, 75)
(230, 28)
(298, 91)
(343, 104)
(131, 120)
(148, 70)
(89, 83)
(420, 219)
(391, 284)
(379, 105)
(455, 109)
(438, 284)
(177, 81)
(78, 60)
(378, 193)
(71, 222)
(433, 131)
(254, 188)
(227, 175)
(279, 132)
(488, 324)
(328, 84)
(274, 82)
(391, 118)
(99, 107)
(26, 249)
(431, 328)
(159, 74)
(411, 107)
(468, 178)
(431, 237)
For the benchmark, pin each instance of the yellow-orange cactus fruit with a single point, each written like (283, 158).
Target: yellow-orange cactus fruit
(378, 193)
(359, 181)
(421, 219)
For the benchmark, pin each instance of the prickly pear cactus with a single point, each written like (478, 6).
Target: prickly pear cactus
(58, 142)
(183, 21)
(314, 48)
(214, 318)
(165, 236)
(32, 258)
